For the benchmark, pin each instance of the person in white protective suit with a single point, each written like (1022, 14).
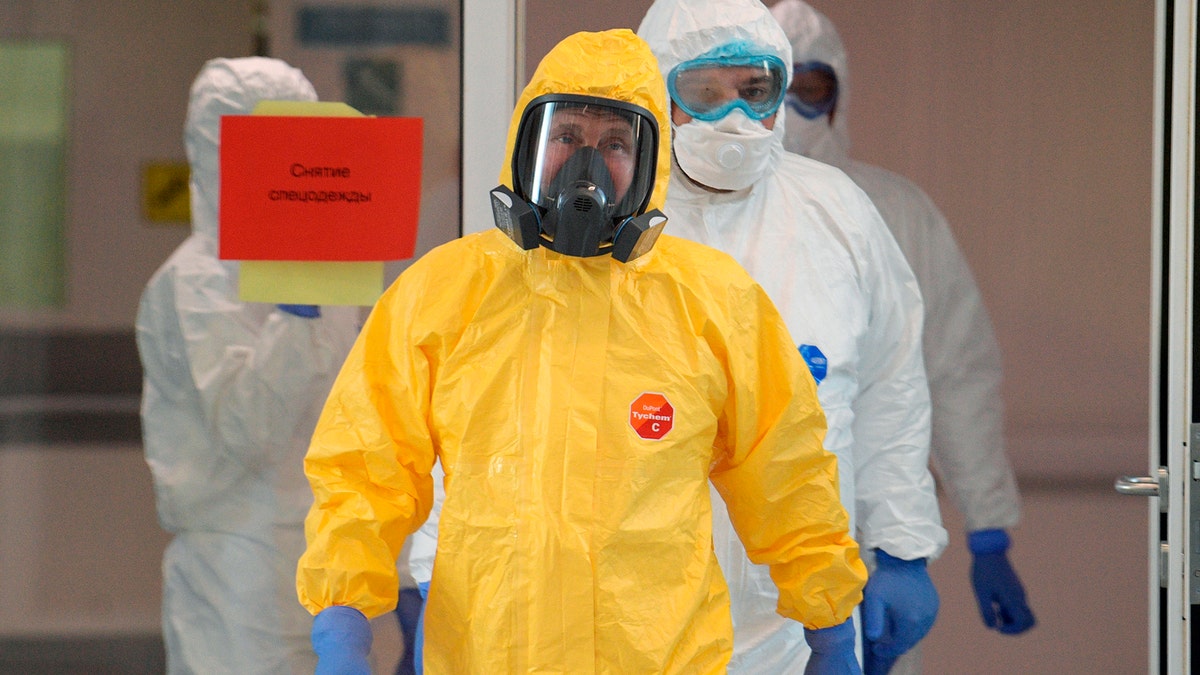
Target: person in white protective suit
(819, 248)
(231, 395)
(962, 358)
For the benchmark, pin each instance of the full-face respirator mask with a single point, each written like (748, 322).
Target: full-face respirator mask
(583, 170)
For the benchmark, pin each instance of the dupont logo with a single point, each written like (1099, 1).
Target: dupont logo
(651, 416)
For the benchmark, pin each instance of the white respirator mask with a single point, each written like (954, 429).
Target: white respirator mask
(731, 153)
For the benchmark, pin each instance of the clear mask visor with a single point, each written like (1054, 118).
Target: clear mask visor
(605, 147)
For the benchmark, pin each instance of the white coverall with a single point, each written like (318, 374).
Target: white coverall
(962, 358)
(231, 395)
(813, 240)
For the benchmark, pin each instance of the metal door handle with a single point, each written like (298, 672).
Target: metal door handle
(1140, 486)
(1145, 486)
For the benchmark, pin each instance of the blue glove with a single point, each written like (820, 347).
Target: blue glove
(997, 587)
(873, 663)
(899, 607)
(341, 637)
(832, 650)
(303, 311)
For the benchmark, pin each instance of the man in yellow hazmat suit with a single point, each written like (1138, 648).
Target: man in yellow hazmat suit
(580, 379)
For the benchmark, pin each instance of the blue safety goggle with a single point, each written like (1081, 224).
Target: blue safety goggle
(814, 89)
(710, 87)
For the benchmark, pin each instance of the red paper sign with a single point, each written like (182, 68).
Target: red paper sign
(319, 188)
(651, 416)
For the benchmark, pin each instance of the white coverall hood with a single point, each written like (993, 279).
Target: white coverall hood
(229, 87)
(682, 30)
(813, 38)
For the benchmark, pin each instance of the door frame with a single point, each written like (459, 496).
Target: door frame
(493, 47)
(1172, 402)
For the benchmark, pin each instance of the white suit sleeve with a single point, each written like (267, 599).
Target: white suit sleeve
(895, 498)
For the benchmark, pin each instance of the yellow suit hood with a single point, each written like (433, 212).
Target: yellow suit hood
(614, 64)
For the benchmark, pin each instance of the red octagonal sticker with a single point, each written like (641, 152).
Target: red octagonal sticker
(651, 415)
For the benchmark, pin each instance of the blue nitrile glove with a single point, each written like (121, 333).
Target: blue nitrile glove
(303, 311)
(899, 607)
(341, 637)
(997, 587)
(832, 650)
(873, 663)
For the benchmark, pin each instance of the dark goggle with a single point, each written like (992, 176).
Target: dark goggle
(814, 89)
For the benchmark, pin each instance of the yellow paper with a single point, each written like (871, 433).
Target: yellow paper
(310, 283)
(305, 109)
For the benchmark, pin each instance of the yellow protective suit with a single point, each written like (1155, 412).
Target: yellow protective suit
(576, 535)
